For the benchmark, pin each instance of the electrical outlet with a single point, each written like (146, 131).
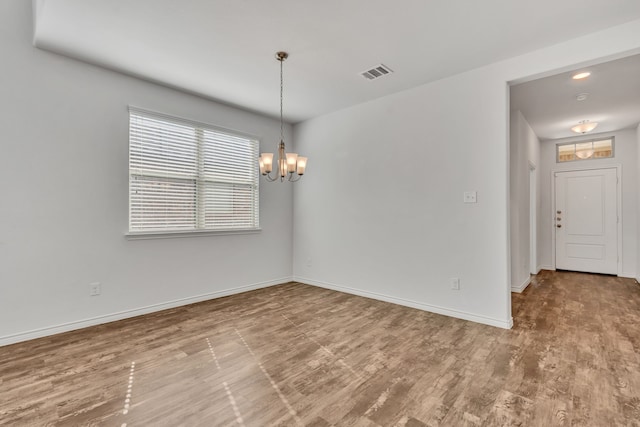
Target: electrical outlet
(470, 197)
(94, 289)
(455, 283)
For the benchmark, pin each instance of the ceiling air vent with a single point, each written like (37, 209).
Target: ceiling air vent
(376, 72)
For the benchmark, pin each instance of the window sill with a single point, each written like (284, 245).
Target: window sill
(144, 235)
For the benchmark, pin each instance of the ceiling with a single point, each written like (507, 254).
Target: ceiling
(551, 108)
(224, 49)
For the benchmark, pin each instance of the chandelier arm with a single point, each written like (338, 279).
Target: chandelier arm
(294, 180)
(269, 178)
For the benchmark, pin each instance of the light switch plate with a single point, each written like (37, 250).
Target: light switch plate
(94, 289)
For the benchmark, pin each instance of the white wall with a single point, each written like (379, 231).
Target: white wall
(64, 187)
(524, 150)
(380, 212)
(626, 149)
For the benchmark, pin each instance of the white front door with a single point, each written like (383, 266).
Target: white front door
(586, 221)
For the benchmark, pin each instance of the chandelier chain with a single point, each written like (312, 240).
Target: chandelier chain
(281, 120)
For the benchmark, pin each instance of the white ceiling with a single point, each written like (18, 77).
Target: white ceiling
(551, 108)
(224, 49)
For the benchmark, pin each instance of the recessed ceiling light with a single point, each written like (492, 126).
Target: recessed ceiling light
(582, 96)
(582, 75)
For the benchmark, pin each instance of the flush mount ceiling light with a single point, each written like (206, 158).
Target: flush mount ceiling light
(581, 75)
(288, 163)
(584, 126)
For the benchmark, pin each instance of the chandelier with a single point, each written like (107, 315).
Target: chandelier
(288, 163)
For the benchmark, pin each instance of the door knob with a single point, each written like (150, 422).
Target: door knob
(559, 219)
(558, 212)
(559, 226)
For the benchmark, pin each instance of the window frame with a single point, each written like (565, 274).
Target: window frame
(199, 129)
(582, 141)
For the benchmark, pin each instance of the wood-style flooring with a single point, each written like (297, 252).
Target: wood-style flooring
(300, 355)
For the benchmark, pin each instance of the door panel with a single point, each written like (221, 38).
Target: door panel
(586, 221)
(585, 251)
(585, 206)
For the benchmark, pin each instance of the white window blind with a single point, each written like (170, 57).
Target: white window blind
(186, 176)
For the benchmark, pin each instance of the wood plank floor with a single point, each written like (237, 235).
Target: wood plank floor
(299, 355)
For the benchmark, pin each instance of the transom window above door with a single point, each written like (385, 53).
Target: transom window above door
(585, 150)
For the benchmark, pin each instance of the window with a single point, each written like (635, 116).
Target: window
(593, 149)
(186, 176)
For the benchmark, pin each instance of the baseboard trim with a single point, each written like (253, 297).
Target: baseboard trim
(79, 324)
(409, 303)
(546, 267)
(520, 288)
(627, 275)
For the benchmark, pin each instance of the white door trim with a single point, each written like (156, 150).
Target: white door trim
(618, 168)
(533, 219)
